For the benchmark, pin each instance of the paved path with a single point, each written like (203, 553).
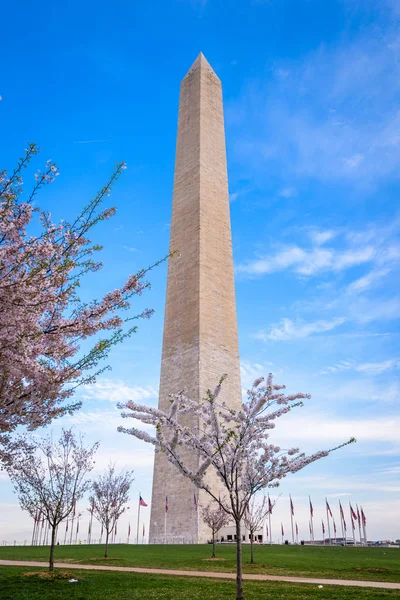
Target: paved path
(253, 577)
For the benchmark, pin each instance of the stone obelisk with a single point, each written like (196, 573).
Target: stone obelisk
(200, 329)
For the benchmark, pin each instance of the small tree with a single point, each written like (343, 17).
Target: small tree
(215, 517)
(42, 319)
(109, 495)
(52, 479)
(254, 518)
(235, 443)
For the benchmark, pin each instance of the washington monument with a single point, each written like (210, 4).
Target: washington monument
(200, 340)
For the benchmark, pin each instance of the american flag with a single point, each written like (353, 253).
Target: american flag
(323, 527)
(283, 533)
(195, 501)
(166, 504)
(341, 510)
(358, 516)
(353, 514)
(297, 530)
(309, 526)
(143, 530)
(266, 526)
(142, 502)
(66, 526)
(352, 523)
(129, 530)
(328, 508)
(270, 506)
(311, 508)
(334, 526)
(364, 520)
(291, 506)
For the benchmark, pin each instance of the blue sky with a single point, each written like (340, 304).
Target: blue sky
(311, 93)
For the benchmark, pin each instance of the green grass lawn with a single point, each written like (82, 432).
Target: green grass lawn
(373, 564)
(18, 583)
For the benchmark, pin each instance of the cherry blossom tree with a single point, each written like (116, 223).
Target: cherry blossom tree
(215, 517)
(42, 319)
(254, 519)
(108, 498)
(52, 478)
(235, 443)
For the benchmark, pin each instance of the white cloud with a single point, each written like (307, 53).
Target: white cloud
(307, 261)
(287, 192)
(323, 430)
(367, 281)
(335, 117)
(354, 161)
(288, 329)
(321, 237)
(250, 371)
(118, 391)
(367, 368)
(377, 368)
(130, 248)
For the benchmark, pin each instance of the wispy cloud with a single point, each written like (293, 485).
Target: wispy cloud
(307, 261)
(377, 247)
(368, 368)
(287, 192)
(334, 115)
(367, 281)
(118, 391)
(130, 248)
(322, 237)
(91, 141)
(289, 330)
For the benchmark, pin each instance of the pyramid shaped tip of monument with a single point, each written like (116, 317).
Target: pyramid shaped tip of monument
(201, 63)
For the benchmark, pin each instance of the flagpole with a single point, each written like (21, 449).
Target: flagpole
(269, 519)
(323, 532)
(291, 516)
(311, 520)
(270, 531)
(40, 532)
(72, 525)
(90, 525)
(359, 524)
(138, 517)
(334, 530)
(341, 523)
(327, 519)
(77, 530)
(165, 527)
(364, 524)
(352, 523)
(282, 531)
(45, 532)
(297, 534)
(34, 529)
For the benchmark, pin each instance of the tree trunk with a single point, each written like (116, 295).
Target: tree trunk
(239, 578)
(106, 550)
(213, 540)
(52, 544)
(251, 550)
